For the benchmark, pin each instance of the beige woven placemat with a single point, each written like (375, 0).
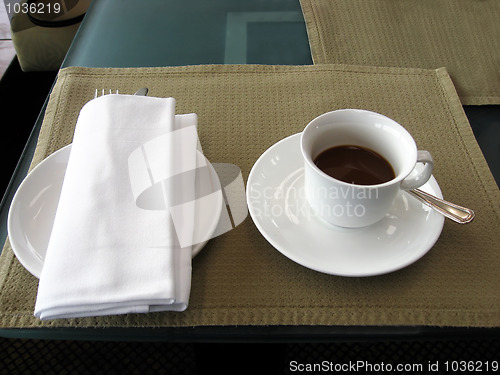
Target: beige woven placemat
(239, 278)
(461, 35)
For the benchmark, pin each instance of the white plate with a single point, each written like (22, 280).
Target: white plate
(280, 212)
(34, 205)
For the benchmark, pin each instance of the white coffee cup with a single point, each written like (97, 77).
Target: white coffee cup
(348, 205)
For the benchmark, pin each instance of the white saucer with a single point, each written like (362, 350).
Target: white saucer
(279, 210)
(34, 205)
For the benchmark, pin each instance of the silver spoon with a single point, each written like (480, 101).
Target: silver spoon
(452, 211)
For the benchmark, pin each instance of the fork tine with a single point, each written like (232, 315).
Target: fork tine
(103, 92)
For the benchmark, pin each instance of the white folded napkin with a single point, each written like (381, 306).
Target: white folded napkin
(113, 247)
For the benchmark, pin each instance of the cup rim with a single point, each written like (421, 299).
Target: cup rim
(401, 176)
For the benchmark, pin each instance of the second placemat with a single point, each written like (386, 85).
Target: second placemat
(461, 35)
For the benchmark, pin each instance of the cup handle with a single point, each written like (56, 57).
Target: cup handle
(418, 178)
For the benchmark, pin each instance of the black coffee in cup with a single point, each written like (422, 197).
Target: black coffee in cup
(355, 164)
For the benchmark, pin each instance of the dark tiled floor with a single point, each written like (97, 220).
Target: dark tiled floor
(83, 357)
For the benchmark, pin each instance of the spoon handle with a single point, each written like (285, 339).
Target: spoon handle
(142, 92)
(452, 211)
